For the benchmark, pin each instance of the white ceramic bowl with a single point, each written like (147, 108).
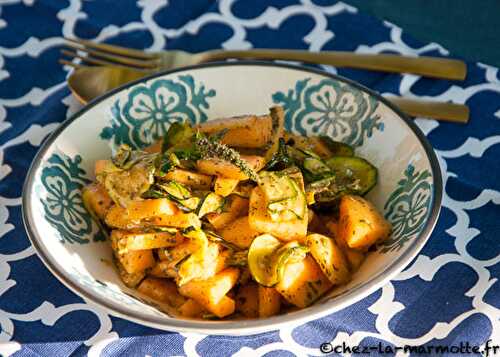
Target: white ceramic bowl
(68, 242)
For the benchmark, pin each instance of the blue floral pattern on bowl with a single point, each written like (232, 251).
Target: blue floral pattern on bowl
(63, 180)
(330, 108)
(407, 208)
(150, 108)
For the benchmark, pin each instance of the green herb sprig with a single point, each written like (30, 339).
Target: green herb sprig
(213, 149)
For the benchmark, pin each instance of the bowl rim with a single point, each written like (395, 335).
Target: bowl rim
(237, 327)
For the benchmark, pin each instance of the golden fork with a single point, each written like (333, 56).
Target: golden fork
(120, 65)
(104, 54)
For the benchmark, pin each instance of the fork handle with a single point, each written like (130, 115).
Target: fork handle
(425, 66)
(452, 112)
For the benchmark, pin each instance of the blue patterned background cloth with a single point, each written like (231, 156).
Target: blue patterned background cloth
(449, 294)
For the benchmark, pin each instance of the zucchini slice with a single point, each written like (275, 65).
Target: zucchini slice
(267, 258)
(336, 148)
(211, 202)
(260, 259)
(125, 157)
(180, 194)
(176, 190)
(292, 252)
(284, 194)
(197, 236)
(124, 186)
(178, 134)
(354, 172)
(316, 166)
(291, 208)
(276, 188)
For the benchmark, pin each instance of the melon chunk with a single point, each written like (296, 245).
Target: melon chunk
(236, 207)
(360, 224)
(260, 220)
(239, 233)
(303, 282)
(191, 309)
(269, 301)
(131, 216)
(96, 198)
(191, 179)
(161, 290)
(225, 186)
(354, 257)
(218, 167)
(130, 240)
(330, 258)
(211, 293)
(247, 131)
(247, 300)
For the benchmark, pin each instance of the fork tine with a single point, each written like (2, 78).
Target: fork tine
(71, 64)
(113, 49)
(99, 62)
(90, 60)
(119, 59)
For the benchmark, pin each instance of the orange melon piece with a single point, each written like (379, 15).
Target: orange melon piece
(137, 210)
(360, 224)
(191, 309)
(237, 207)
(303, 282)
(140, 241)
(218, 167)
(247, 300)
(248, 131)
(354, 257)
(137, 260)
(178, 220)
(269, 301)
(130, 217)
(211, 293)
(133, 261)
(225, 186)
(161, 290)
(191, 179)
(239, 232)
(330, 258)
(260, 220)
(223, 308)
(96, 198)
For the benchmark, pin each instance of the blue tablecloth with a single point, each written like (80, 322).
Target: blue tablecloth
(449, 294)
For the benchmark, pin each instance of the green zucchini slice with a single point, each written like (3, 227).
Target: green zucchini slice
(316, 166)
(354, 172)
(336, 147)
(180, 194)
(260, 256)
(285, 197)
(211, 202)
(267, 258)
